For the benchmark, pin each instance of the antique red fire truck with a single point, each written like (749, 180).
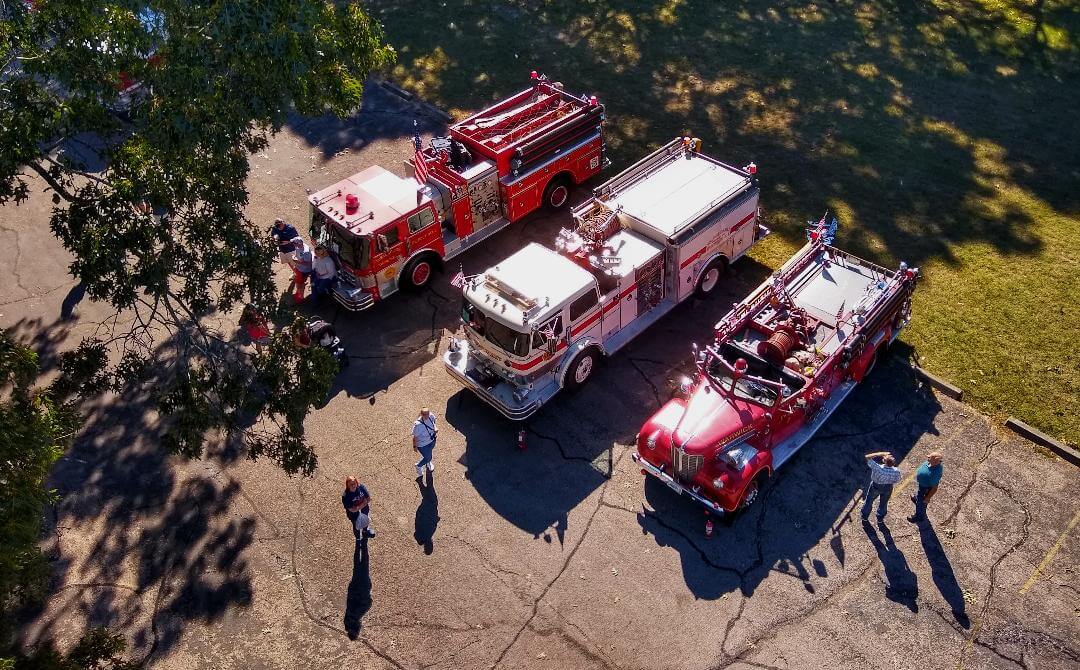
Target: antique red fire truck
(648, 239)
(780, 364)
(495, 167)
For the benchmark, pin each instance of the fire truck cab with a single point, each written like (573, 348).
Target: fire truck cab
(493, 168)
(650, 238)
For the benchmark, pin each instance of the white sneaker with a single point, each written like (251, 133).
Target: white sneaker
(431, 466)
(419, 471)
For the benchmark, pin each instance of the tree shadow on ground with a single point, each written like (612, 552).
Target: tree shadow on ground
(358, 596)
(153, 544)
(809, 499)
(905, 116)
(573, 442)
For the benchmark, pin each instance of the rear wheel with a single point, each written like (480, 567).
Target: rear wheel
(557, 193)
(417, 274)
(710, 277)
(581, 369)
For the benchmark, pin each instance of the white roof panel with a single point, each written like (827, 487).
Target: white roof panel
(535, 272)
(676, 194)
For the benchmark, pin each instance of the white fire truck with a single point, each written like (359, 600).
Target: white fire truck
(663, 230)
(494, 168)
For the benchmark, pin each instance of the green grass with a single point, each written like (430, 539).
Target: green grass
(942, 133)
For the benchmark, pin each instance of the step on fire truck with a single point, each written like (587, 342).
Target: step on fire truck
(780, 364)
(389, 233)
(660, 232)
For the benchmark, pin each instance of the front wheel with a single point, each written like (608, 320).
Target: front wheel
(417, 274)
(710, 278)
(581, 369)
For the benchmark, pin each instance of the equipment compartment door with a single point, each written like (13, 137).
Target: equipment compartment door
(484, 194)
(650, 284)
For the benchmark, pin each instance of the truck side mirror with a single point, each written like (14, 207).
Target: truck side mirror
(550, 345)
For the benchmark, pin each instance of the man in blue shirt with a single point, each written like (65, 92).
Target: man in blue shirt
(928, 477)
(356, 501)
(883, 476)
(282, 233)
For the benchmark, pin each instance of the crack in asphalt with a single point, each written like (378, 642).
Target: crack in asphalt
(971, 483)
(299, 581)
(988, 597)
(562, 569)
(656, 390)
(569, 457)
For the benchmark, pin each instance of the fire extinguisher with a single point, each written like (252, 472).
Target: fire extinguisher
(708, 527)
(521, 439)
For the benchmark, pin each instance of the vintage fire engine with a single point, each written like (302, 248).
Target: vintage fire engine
(780, 364)
(495, 167)
(650, 238)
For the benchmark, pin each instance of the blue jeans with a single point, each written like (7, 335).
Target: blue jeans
(883, 491)
(426, 452)
(321, 286)
(920, 503)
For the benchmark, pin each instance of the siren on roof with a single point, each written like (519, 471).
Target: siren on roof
(352, 203)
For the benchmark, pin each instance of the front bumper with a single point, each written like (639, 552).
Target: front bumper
(352, 297)
(675, 486)
(465, 367)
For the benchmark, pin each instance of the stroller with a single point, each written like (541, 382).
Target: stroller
(323, 334)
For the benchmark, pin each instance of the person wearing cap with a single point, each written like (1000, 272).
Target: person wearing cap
(325, 272)
(424, 433)
(302, 262)
(928, 477)
(356, 501)
(283, 233)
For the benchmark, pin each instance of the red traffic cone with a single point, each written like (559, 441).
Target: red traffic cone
(708, 527)
(521, 439)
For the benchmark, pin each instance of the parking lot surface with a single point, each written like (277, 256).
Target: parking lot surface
(559, 555)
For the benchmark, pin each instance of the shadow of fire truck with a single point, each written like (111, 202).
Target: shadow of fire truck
(814, 497)
(575, 442)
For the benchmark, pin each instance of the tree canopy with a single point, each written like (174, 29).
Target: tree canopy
(174, 96)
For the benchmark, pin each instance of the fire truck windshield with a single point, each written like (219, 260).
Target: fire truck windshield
(353, 251)
(741, 386)
(509, 340)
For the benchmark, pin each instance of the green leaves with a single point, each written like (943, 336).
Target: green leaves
(175, 96)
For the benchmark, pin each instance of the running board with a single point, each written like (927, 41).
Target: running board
(469, 241)
(786, 449)
(621, 338)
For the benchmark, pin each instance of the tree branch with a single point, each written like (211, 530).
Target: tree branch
(55, 185)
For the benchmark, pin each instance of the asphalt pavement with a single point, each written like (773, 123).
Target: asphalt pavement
(560, 555)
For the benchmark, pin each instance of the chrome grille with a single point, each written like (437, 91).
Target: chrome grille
(684, 465)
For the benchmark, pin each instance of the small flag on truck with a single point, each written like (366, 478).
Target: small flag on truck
(458, 280)
(420, 169)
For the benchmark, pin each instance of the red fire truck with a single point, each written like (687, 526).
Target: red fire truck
(495, 167)
(780, 364)
(650, 238)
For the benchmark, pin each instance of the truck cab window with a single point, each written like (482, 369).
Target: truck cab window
(388, 238)
(421, 220)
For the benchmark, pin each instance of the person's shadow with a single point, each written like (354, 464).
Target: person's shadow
(902, 584)
(427, 514)
(942, 572)
(358, 598)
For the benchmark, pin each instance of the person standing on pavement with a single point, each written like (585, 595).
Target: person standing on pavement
(883, 476)
(356, 501)
(325, 269)
(282, 233)
(424, 433)
(302, 262)
(928, 477)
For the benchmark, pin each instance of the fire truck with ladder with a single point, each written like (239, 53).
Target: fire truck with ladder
(660, 232)
(779, 365)
(495, 167)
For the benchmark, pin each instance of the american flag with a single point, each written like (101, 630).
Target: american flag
(420, 169)
(458, 281)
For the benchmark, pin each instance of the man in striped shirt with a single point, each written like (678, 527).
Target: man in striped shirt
(883, 475)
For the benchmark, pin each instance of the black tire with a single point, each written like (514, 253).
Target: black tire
(581, 369)
(557, 194)
(418, 273)
(710, 278)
